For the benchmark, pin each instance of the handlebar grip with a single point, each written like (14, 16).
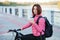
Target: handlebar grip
(10, 30)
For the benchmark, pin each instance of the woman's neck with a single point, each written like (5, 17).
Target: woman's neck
(39, 15)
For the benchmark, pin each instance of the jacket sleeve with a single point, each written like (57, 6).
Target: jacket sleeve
(41, 25)
(26, 25)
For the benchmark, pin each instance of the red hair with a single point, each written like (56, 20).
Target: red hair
(39, 10)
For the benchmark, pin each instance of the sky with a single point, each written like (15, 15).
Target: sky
(29, 0)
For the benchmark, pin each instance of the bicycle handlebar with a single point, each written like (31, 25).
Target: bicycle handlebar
(14, 30)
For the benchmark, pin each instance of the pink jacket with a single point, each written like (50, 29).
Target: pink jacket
(36, 28)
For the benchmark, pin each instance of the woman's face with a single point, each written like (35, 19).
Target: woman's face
(35, 10)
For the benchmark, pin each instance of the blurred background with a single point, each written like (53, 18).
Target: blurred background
(15, 13)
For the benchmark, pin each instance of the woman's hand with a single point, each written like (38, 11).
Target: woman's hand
(21, 28)
(32, 21)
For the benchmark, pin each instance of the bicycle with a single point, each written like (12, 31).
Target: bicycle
(18, 35)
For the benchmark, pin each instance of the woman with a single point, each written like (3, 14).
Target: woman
(37, 33)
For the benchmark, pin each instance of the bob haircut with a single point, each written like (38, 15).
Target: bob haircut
(39, 10)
